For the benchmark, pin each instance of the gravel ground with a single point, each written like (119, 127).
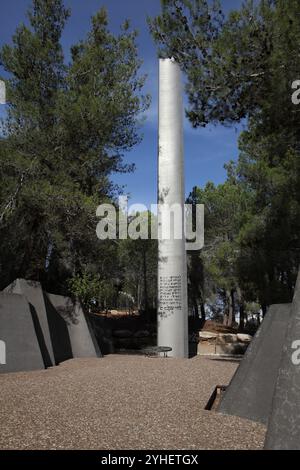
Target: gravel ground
(121, 402)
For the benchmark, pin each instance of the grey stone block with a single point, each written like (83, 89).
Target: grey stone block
(244, 338)
(17, 332)
(284, 424)
(76, 338)
(231, 349)
(250, 392)
(33, 292)
(59, 333)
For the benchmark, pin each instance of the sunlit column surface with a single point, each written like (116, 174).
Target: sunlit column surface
(172, 266)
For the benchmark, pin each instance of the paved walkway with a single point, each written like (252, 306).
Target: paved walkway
(121, 402)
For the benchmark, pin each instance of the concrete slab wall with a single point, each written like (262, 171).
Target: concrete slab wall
(34, 294)
(39, 330)
(250, 392)
(17, 332)
(79, 331)
(59, 333)
(284, 423)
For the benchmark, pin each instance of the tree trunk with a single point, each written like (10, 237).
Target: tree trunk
(195, 308)
(264, 310)
(203, 314)
(139, 296)
(230, 318)
(146, 303)
(231, 310)
(241, 309)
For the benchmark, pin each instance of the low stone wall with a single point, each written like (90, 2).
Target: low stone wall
(129, 334)
(211, 343)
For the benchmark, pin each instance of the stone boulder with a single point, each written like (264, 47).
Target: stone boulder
(232, 348)
(207, 335)
(229, 344)
(227, 338)
(242, 338)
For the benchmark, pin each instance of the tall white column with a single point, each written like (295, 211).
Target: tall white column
(172, 265)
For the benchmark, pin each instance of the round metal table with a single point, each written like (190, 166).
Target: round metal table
(156, 350)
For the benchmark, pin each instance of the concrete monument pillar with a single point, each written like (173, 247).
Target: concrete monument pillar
(172, 264)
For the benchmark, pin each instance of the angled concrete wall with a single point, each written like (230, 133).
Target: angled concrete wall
(17, 332)
(33, 292)
(81, 337)
(39, 330)
(251, 390)
(284, 423)
(59, 333)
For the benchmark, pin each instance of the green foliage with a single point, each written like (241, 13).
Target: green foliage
(65, 134)
(92, 290)
(224, 211)
(243, 66)
(235, 66)
(139, 260)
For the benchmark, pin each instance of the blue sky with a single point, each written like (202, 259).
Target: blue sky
(206, 150)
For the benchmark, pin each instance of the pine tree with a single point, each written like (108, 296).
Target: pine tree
(65, 134)
(243, 66)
